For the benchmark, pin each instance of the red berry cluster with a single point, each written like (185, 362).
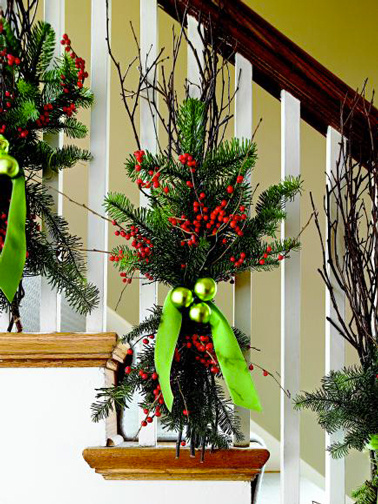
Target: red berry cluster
(69, 110)
(44, 117)
(79, 64)
(153, 174)
(142, 245)
(204, 350)
(9, 97)
(211, 221)
(240, 261)
(189, 161)
(22, 133)
(8, 58)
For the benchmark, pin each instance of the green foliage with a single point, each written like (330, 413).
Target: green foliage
(367, 493)
(191, 126)
(35, 105)
(347, 400)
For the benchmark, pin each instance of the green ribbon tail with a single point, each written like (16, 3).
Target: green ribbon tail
(373, 443)
(166, 340)
(13, 255)
(232, 363)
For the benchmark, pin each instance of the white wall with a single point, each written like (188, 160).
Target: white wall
(44, 426)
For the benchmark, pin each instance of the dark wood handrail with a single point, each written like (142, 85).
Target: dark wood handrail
(279, 64)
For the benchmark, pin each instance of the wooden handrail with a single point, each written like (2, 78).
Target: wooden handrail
(279, 64)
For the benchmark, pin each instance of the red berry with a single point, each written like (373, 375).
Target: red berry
(145, 411)
(127, 369)
(250, 367)
(262, 261)
(269, 248)
(149, 419)
(230, 189)
(239, 179)
(145, 341)
(202, 195)
(280, 257)
(144, 376)
(144, 423)
(265, 373)
(183, 443)
(185, 412)
(130, 351)
(154, 376)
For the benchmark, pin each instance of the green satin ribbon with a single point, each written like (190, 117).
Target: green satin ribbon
(230, 357)
(373, 443)
(13, 255)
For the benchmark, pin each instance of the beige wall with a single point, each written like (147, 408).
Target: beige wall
(342, 36)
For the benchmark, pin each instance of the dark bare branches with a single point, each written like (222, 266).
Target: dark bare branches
(350, 246)
(157, 83)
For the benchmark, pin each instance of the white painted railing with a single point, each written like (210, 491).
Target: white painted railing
(290, 279)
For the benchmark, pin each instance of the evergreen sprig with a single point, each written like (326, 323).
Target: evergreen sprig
(348, 400)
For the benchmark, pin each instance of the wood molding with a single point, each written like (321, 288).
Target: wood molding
(144, 463)
(280, 64)
(61, 350)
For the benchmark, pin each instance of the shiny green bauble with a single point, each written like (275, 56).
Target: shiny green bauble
(182, 297)
(200, 312)
(8, 166)
(205, 289)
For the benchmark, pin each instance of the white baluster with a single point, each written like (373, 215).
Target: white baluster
(243, 288)
(335, 343)
(148, 46)
(50, 312)
(290, 307)
(195, 56)
(99, 166)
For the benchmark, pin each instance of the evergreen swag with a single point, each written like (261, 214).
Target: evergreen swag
(198, 225)
(41, 94)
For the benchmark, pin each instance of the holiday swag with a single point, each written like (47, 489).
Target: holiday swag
(197, 232)
(40, 94)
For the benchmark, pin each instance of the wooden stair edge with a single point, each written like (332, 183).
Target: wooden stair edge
(61, 349)
(160, 463)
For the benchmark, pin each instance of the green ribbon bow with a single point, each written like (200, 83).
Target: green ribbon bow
(230, 357)
(13, 255)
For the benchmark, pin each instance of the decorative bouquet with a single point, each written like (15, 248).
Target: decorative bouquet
(198, 231)
(40, 94)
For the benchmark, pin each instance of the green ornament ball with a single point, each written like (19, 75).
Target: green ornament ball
(200, 312)
(182, 297)
(8, 165)
(205, 289)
